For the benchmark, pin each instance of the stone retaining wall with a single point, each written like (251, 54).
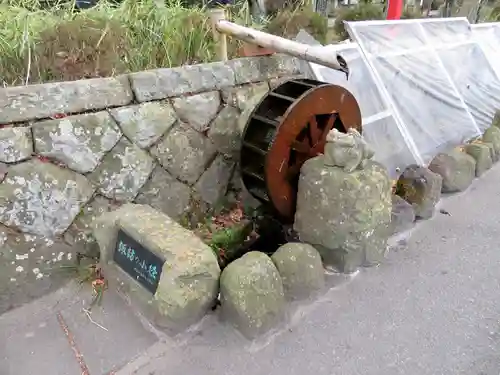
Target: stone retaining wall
(167, 138)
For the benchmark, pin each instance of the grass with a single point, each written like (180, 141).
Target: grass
(55, 42)
(491, 12)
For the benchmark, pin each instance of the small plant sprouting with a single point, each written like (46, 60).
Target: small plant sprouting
(86, 269)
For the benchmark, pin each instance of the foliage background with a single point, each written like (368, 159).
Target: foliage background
(50, 40)
(44, 41)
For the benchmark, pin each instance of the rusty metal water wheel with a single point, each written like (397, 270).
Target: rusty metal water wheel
(288, 127)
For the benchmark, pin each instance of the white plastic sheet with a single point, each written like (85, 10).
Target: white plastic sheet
(475, 80)
(380, 128)
(488, 36)
(469, 67)
(435, 76)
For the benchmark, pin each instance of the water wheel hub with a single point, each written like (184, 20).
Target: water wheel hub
(286, 128)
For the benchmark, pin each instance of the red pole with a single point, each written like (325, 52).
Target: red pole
(394, 9)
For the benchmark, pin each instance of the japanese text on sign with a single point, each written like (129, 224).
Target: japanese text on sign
(148, 271)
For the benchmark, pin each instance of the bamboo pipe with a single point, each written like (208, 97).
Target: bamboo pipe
(319, 55)
(217, 15)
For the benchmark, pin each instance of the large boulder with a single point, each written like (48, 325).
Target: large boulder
(493, 154)
(300, 268)
(482, 155)
(344, 203)
(402, 215)
(496, 119)
(188, 284)
(421, 188)
(251, 292)
(344, 215)
(492, 135)
(457, 169)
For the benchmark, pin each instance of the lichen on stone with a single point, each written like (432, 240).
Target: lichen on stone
(15, 144)
(123, 171)
(145, 123)
(79, 142)
(42, 198)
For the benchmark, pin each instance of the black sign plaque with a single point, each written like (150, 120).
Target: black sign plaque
(140, 263)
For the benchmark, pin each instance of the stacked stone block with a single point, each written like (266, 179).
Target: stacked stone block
(70, 151)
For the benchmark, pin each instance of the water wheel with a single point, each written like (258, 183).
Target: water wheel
(286, 128)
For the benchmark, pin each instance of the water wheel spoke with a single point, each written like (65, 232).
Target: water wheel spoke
(328, 127)
(294, 169)
(301, 147)
(314, 131)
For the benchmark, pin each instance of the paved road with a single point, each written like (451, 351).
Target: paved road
(432, 308)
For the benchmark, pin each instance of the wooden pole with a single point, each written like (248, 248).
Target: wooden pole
(218, 15)
(319, 55)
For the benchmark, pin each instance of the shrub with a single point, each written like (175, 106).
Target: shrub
(44, 40)
(494, 15)
(287, 23)
(50, 40)
(80, 48)
(409, 13)
(360, 12)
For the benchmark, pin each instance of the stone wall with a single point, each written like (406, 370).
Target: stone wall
(168, 138)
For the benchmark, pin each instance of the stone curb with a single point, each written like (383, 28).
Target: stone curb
(27, 103)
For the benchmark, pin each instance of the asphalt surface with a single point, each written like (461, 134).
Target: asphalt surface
(433, 308)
